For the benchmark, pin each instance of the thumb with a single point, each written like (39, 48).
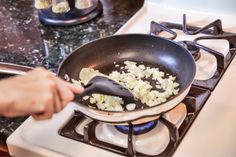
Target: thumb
(75, 88)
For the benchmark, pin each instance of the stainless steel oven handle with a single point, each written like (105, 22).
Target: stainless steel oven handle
(13, 69)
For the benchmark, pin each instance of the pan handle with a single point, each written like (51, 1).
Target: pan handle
(13, 69)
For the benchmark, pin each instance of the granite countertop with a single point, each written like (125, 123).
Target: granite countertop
(25, 41)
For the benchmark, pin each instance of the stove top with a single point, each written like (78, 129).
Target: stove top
(164, 136)
(212, 48)
(191, 127)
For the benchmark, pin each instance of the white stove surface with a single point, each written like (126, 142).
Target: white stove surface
(212, 133)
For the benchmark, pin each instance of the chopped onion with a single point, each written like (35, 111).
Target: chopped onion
(130, 106)
(134, 78)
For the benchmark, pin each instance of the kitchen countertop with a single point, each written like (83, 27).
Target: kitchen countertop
(24, 41)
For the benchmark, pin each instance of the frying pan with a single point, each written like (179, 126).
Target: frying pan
(149, 50)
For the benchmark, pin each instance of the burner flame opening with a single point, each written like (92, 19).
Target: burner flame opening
(137, 129)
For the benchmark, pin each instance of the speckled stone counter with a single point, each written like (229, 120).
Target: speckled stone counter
(23, 40)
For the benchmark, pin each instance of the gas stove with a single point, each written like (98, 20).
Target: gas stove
(160, 136)
(199, 125)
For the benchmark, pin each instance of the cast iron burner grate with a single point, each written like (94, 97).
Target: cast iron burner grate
(193, 49)
(194, 101)
(215, 30)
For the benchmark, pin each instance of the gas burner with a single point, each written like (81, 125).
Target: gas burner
(212, 48)
(137, 129)
(193, 49)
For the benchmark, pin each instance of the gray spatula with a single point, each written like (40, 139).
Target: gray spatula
(103, 85)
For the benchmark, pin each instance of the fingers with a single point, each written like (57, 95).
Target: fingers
(60, 94)
(65, 94)
(58, 106)
(74, 88)
(50, 107)
(46, 106)
(50, 101)
(67, 90)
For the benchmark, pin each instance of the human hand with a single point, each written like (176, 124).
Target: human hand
(39, 93)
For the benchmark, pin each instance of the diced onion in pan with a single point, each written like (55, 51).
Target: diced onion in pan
(134, 77)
